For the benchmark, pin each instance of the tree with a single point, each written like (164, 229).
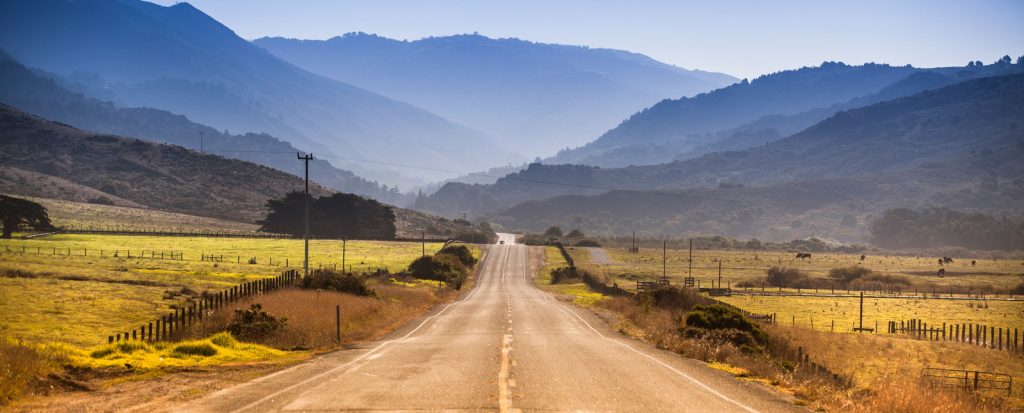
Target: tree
(575, 234)
(554, 231)
(17, 213)
(336, 216)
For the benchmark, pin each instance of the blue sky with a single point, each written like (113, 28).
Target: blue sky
(742, 38)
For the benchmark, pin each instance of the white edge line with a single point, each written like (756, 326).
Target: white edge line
(357, 359)
(648, 356)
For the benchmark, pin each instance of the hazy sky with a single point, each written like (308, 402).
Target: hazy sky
(742, 38)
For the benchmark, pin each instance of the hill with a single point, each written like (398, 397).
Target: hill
(51, 160)
(42, 96)
(176, 58)
(890, 137)
(842, 209)
(542, 97)
(689, 122)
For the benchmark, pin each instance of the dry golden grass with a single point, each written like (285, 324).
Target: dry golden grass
(21, 366)
(625, 267)
(872, 360)
(311, 313)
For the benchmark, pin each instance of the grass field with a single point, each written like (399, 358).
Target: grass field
(82, 214)
(626, 267)
(737, 266)
(82, 297)
(844, 311)
(875, 362)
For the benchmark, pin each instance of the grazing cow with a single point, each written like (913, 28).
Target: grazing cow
(941, 261)
(802, 255)
(862, 257)
(947, 260)
(942, 272)
(974, 262)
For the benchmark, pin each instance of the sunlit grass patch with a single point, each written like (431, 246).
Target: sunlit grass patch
(218, 349)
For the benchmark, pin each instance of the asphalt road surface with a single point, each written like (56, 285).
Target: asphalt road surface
(504, 346)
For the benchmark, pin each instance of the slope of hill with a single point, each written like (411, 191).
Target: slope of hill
(988, 181)
(49, 159)
(543, 97)
(42, 96)
(891, 136)
(178, 59)
(690, 122)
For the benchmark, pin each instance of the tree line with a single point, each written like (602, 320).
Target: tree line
(943, 227)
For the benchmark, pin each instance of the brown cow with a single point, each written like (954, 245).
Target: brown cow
(942, 272)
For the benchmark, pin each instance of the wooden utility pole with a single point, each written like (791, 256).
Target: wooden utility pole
(690, 271)
(719, 273)
(861, 312)
(305, 235)
(343, 242)
(664, 260)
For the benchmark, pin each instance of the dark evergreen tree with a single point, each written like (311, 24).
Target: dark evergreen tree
(18, 213)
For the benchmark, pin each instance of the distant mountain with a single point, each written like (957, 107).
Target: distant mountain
(538, 97)
(43, 96)
(176, 58)
(687, 123)
(52, 160)
(835, 208)
(888, 137)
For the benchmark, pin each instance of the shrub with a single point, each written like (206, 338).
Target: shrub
(553, 231)
(337, 281)
(534, 239)
(587, 243)
(254, 324)
(101, 200)
(194, 349)
(848, 274)
(440, 267)
(461, 252)
(673, 298)
(783, 277)
(721, 317)
(564, 274)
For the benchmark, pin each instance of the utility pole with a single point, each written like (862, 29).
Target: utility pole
(423, 244)
(305, 262)
(343, 242)
(691, 258)
(861, 329)
(578, 221)
(664, 260)
(719, 273)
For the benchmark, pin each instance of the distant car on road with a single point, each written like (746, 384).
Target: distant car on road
(501, 241)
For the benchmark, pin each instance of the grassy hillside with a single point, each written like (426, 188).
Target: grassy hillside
(45, 158)
(42, 95)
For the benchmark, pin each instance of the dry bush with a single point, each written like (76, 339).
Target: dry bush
(311, 314)
(23, 367)
(902, 395)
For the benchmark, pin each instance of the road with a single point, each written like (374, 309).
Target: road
(504, 346)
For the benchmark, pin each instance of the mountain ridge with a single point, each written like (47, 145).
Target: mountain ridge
(179, 59)
(41, 95)
(541, 96)
(888, 136)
